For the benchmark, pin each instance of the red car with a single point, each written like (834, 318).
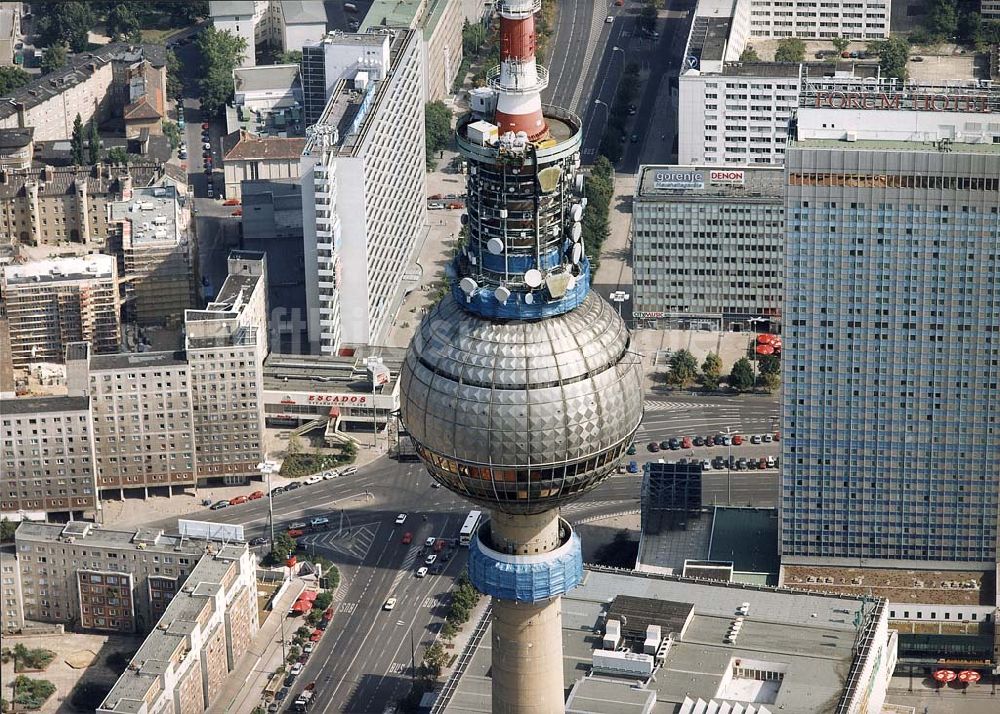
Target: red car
(777, 436)
(316, 635)
(737, 439)
(686, 442)
(456, 204)
(435, 197)
(762, 462)
(204, 125)
(296, 533)
(328, 615)
(237, 501)
(238, 212)
(439, 545)
(255, 495)
(407, 538)
(232, 202)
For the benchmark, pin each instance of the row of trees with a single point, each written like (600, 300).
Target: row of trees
(67, 23)
(599, 189)
(683, 372)
(437, 130)
(956, 20)
(221, 53)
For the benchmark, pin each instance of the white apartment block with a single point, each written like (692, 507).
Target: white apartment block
(140, 405)
(50, 303)
(285, 24)
(149, 228)
(11, 598)
(206, 630)
(48, 457)
(733, 112)
(226, 344)
(364, 184)
(818, 19)
(989, 9)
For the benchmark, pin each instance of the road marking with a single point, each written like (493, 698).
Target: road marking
(429, 602)
(399, 667)
(347, 607)
(355, 541)
(659, 406)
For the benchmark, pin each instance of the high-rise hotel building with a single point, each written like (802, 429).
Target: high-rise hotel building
(891, 402)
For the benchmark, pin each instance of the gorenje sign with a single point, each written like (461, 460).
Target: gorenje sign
(682, 180)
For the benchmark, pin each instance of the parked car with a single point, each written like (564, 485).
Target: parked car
(237, 501)
(315, 478)
(673, 444)
(204, 125)
(766, 438)
(440, 545)
(719, 440)
(771, 461)
(737, 439)
(610, 19)
(260, 540)
(752, 464)
(232, 202)
(686, 442)
(719, 462)
(327, 475)
(632, 110)
(407, 538)
(762, 462)
(390, 603)
(295, 669)
(698, 441)
(277, 490)
(289, 681)
(633, 467)
(430, 541)
(297, 525)
(308, 647)
(206, 145)
(653, 446)
(706, 465)
(295, 533)
(316, 635)
(421, 571)
(709, 441)
(349, 470)
(741, 464)
(631, 450)
(777, 436)
(400, 519)
(755, 439)
(219, 505)
(255, 496)
(293, 485)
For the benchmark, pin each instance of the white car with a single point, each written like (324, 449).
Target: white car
(610, 19)
(296, 669)
(308, 647)
(421, 571)
(297, 526)
(389, 604)
(327, 475)
(316, 478)
(429, 560)
(429, 542)
(319, 521)
(349, 470)
(706, 465)
(400, 519)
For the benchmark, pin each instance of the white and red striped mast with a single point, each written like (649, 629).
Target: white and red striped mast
(518, 80)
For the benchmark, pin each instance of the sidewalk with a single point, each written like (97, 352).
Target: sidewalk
(244, 685)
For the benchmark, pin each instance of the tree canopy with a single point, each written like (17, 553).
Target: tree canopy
(221, 53)
(64, 23)
(76, 141)
(683, 368)
(892, 55)
(790, 49)
(598, 188)
(749, 54)
(122, 23)
(741, 378)
(12, 78)
(437, 129)
(55, 58)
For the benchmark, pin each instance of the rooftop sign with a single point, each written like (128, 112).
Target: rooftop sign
(917, 99)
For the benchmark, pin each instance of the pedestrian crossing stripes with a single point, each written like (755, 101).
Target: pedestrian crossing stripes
(405, 567)
(589, 506)
(658, 406)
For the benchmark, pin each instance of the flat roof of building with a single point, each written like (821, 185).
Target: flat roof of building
(331, 374)
(152, 213)
(60, 270)
(43, 405)
(98, 537)
(907, 584)
(709, 183)
(808, 637)
(265, 77)
(303, 12)
(748, 538)
(136, 360)
(218, 8)
(16, 138)
(869, 145)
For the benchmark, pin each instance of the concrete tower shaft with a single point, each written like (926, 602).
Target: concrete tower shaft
(518, 80)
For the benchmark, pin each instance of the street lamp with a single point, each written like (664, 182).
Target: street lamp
(266, 468)
(619, 296)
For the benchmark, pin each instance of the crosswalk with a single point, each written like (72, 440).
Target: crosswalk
(660, 406)
(355, 541)
(406, 567)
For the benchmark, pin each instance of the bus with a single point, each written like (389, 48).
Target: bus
(469, 528)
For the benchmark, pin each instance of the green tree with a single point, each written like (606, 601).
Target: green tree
(188, 11)
(323, 600)
(449, 630)
(221, 53)
(749, 54)
(790, 49)
(293, 654)
(175, 87)
(54, 58)
(122, 24)
(769, 367)
(283, 547)
(841, 43)
(303, 632)
(741, 378)
(970, 28)
(12, 78)
(683, 368)
(76, 141)
(290, 57)
(473, 38)
(118, 155)
(892, 55)
(437, 129)
(711, 371)
(599, 189)
(173, 134)
(294, 445)
(93, 144)
(941, 20)
(7, 530)
(435, 659)
(64, 23)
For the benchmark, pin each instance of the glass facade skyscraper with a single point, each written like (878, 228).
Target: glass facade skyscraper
(892, 342)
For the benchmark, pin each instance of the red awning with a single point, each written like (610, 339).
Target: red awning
(308, 595)
(765, 350)
(301, 606)
(969, 676)
(945, 675)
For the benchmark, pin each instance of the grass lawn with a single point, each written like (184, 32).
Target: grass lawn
(305, 464)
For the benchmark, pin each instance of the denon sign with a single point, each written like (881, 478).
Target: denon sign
(909, 102)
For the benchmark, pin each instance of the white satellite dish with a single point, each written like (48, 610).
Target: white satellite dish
(529, 299)
(533, 278)
(468, 286)
(576, 212)
(576, 231)
(577, 252)
(502, 294)
(494, 246)
(579, 182)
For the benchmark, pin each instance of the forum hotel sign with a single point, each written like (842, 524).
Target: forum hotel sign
(971, 98)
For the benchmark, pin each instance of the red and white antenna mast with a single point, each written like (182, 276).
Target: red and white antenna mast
(518, 80)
